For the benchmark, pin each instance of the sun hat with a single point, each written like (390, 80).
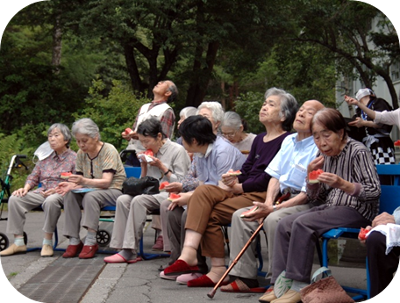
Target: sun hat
(364, 92)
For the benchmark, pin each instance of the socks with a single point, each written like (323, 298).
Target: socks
(297, 285)
(216, 273)
(74, 241)
(128, 254)
(91, 238)
(19, 241)
(48, 242)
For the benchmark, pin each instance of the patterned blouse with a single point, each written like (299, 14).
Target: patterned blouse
(107, 160)
(353, 164)
(47, 172)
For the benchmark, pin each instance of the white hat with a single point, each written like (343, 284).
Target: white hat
(364, 92)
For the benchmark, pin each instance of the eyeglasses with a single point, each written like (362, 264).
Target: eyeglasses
(229, 135)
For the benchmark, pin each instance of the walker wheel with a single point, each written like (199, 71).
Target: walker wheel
(103, 237)
(25, 238)
(3, 241)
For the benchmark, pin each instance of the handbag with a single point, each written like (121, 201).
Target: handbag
(137, 186)
(326, 290)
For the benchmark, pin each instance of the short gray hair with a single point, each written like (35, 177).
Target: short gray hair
(215, 107)
(232, 119)
(188, 111)
(64, 130)
(86, 126)
(289, 106)
(174, 92)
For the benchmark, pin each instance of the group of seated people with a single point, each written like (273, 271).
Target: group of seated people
(272, 164)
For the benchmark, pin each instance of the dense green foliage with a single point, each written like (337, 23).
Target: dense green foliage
(63, 60)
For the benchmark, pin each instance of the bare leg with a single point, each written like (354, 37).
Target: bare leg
(190, 246)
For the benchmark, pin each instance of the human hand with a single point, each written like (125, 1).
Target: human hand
(49, 192)
(350, 100)
(315, 164)
(64, 187)
(175, 187)
(358, 122)
(183, 200)
(383, 219)
(259, 215)
(20, 192)
(229, 180)
(128, 134)
(77, 179)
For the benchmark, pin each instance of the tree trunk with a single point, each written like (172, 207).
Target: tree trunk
(198, 89)
(57, 45)
(132, 68)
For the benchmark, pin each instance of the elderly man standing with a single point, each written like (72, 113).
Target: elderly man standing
(288, 171)
(164, 92)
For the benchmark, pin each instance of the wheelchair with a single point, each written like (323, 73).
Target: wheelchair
(5, 194)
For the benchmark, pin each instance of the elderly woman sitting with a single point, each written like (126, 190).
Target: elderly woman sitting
(47, 173)
(169, 163)
(349, 191)
(233, 129)
(97, 183)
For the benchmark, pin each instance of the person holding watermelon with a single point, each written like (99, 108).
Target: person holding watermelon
(96, 184)
(47, 172)
(347, 194)
(169, 162)
(288, 171)
(173, 215)
(216, 204)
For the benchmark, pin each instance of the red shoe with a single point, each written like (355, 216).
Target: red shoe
(204, 281)
(88, 251)
(180, 267)
(72, 250)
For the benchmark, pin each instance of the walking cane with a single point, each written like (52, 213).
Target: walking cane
(214, 290)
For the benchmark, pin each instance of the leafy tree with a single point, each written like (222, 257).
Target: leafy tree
(344, 28)
(112, 111)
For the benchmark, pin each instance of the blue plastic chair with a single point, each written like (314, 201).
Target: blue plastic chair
(388, 203)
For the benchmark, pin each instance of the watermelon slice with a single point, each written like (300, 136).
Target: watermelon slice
(128, 131)
(397, 143)
(173, 196)
(248, 212)
(234, 173)
(65, 175)
(363, 234)
(149, 152)
(313, 176)
(162, 185)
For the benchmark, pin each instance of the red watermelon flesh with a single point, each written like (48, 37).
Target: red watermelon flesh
(173, 196)
(313, 176)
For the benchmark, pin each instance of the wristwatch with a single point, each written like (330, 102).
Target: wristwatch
(168, 171)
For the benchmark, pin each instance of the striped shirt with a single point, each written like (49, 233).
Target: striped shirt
(354, 164)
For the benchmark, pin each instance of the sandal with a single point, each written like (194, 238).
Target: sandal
(117, 258)
(239, 286)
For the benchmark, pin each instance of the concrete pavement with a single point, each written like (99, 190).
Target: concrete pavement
(92, 281)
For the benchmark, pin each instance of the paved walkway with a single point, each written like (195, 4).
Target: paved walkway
(91, 281)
